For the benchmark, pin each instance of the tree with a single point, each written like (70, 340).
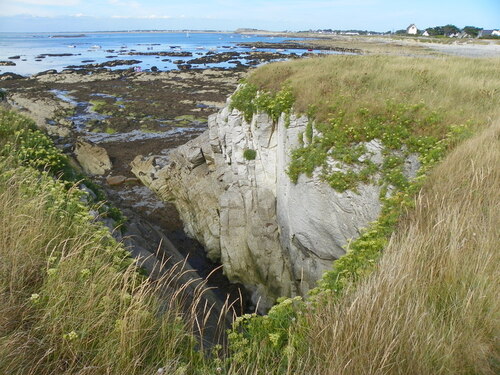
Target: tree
(472, 31)
(450, 30)
(433, 31)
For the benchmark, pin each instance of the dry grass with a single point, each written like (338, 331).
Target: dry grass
(376, 45)
(72, 302)
(459, 89)
(432, 306)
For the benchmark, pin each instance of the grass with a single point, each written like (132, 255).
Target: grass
(71, 298)
(432, 305)
(72, 301)
(459, 89)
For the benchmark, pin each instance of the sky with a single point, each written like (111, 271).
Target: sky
(278, 15)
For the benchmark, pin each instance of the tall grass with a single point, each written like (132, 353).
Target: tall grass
(432, 306)
(72, 301)
(458, 89)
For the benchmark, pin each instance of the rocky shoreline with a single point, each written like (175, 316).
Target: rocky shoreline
(103, 119)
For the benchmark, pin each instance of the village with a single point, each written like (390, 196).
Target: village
(447, 31)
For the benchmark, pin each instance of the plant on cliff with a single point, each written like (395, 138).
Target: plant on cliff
(249, 154)
(249, 100)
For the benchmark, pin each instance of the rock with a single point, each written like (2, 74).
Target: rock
(275, 237)
(7, 63)
(116, 180)
(45, 72)
(41, 110)
(93, 159)
(105, 64)
(8, 75)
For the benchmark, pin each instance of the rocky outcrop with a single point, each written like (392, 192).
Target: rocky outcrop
(274, 236)
(41, 110)
(93, 159)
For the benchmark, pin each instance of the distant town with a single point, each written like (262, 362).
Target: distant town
(447, 31)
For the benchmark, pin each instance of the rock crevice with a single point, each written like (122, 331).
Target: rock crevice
(272, 235)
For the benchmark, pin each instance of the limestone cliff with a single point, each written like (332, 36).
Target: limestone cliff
(272, 235)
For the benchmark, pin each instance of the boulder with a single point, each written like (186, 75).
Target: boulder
(93, 158)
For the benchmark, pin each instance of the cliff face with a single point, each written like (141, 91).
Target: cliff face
(272, 235)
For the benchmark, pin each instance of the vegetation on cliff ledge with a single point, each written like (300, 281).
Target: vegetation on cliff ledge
(72, 300)
(420, 106)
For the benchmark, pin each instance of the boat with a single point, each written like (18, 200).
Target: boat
(71, 46)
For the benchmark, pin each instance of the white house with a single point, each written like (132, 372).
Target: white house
(412, 29)
(425, 33)
(486, 33)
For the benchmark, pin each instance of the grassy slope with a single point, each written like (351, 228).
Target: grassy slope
(71, 298)
(419, 329)
(432, 305)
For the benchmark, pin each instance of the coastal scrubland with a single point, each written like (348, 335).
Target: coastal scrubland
(416, 294)
(72, 300)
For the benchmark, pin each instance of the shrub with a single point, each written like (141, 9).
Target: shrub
(249, 154)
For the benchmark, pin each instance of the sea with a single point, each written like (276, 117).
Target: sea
(35, 52)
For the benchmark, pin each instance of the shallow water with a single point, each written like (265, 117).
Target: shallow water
(102, 47)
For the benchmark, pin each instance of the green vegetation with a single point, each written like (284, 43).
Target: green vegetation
(445, 30)
(249, 154)
(415, 293)
(71, 298)
(249, 101)
(97, 105)
(351, 101)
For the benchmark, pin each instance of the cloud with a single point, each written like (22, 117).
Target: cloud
(127, 4)
(49, 2)
(151, 16)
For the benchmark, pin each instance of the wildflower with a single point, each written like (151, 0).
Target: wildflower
(35, 297)
(85, 273)
(70, 336)
(274, 338)
(51, 271)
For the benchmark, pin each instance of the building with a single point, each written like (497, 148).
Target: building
(412, 29)
(425, 33)
(488, 33)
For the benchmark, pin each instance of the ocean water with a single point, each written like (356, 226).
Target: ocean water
(102, 47)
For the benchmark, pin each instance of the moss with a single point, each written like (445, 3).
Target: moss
(97, 105)
(249, 154)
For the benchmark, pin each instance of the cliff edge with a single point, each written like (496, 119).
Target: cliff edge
(232, 191)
